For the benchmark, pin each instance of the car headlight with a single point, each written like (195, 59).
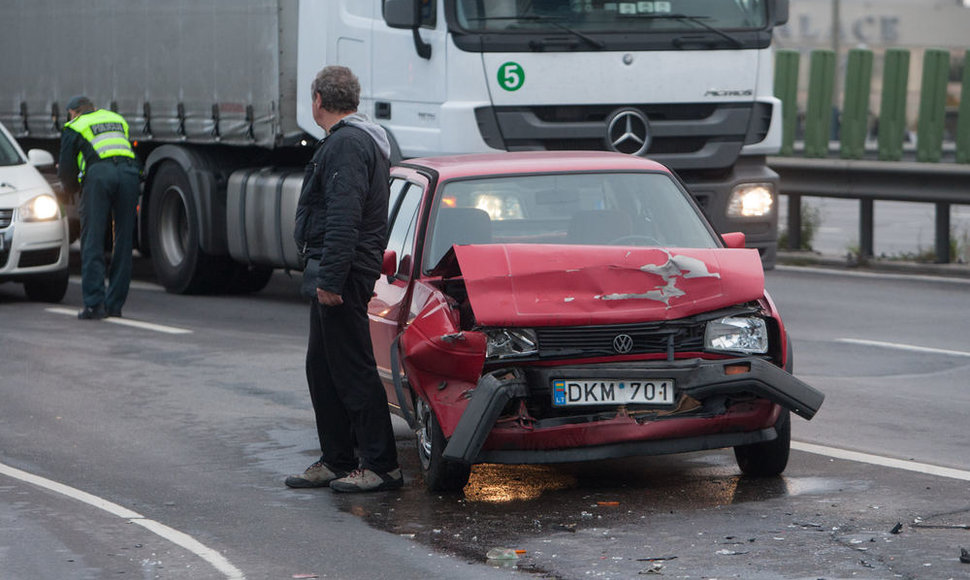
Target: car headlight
(504, 343)
(39, 209)
(751, 200)
(737, 334)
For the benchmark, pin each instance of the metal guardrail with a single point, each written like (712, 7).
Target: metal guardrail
(858, 171)
(941, 184)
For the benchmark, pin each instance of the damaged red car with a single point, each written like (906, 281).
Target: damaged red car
(549, 307)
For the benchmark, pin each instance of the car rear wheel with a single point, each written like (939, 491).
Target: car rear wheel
(47, 288)
(769, 458)
(439, 473)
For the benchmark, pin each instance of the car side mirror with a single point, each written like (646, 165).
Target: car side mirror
(40, 159)
(389, 263)
(734, 240)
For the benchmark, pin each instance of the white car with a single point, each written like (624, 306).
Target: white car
(34, 241)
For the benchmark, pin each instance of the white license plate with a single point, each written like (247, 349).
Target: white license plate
(566, 392)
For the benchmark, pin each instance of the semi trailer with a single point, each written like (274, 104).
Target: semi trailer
(217, 96)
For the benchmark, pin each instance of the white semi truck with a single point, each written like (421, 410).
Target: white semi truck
(217, 94)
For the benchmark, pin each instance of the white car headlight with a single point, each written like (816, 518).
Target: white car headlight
(751, 200)
(737, 334)
(506, 343)
(39, 209)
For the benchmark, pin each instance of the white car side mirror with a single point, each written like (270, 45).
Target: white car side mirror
(40, 159)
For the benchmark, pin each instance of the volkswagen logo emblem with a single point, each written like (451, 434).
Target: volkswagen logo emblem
(628, 131)
(622, 343)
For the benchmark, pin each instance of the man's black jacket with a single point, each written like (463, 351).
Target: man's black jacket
(341, 217)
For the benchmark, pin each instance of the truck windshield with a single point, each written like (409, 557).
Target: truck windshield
(604, 16)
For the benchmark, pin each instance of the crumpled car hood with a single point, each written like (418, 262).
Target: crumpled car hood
(567, 285)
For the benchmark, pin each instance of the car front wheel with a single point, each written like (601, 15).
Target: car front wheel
(47, 288)
(439, 473)
(769, 458)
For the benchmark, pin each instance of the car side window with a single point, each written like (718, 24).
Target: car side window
(403, 226)
(396, 188)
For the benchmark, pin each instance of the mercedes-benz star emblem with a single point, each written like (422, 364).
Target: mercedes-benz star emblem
(622, 343)
(628, 131)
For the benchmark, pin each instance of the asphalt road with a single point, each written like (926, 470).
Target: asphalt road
(183, 431)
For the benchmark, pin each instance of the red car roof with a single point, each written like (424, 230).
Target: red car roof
(533, 162)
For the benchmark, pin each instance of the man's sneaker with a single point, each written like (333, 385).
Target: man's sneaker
(91, 313)
(113, 313)
(367, 480)
(317, 475)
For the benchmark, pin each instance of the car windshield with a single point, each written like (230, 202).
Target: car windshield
(609, 16)
(602, 209)
(8, 153)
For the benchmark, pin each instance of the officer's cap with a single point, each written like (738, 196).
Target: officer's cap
(77, 102)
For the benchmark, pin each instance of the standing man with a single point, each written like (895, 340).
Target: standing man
(341, 229)
(97, 158)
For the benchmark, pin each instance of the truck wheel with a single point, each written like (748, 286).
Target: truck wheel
(247, 279)
(439, 473)
(48, 288)
(769, 458)
(180, 264)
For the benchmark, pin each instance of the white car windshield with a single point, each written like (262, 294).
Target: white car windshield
(600, 209)
(8, 153)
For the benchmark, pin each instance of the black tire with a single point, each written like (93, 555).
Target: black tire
(181, 265)
(48, 288)
(439, 473)
(769, 458)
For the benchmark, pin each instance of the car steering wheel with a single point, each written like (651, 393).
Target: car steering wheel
(631, 239)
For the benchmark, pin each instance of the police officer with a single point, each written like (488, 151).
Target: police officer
(97, 158)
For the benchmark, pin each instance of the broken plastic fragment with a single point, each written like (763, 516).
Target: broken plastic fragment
(501, 554)
(897, 528)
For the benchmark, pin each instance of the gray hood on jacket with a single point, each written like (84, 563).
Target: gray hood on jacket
(377, 133)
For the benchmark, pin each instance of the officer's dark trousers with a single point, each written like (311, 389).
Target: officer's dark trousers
(348, 397)
(109, 187)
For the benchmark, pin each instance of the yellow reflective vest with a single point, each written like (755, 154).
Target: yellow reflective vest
(106, 131)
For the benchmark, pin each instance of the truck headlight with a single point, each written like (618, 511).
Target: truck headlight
(504, 343)
(737, 334)
(751, 200)
(39, 209)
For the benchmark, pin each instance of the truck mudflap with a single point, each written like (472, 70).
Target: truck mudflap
(697, 378)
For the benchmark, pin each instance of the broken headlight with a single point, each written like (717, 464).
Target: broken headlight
(504, 343)
(737, 334)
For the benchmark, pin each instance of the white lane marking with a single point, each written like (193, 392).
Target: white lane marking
(136, 284)
(128, 322)
(214, 558)
(881, 275)
(899, 346)
(858, 457)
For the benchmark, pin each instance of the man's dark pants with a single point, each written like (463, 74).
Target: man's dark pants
(347, 393)
(110, 187)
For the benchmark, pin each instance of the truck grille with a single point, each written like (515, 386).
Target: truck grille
(683, 136)
(647, 338)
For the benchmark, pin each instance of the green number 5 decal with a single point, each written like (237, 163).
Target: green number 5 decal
(511, 76)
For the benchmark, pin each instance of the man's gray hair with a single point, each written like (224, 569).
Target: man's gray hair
(338, 88)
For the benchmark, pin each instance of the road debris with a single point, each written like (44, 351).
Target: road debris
(730, 553)
(897, 528)
(965, 555)
(655, 568)
(502, 554)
